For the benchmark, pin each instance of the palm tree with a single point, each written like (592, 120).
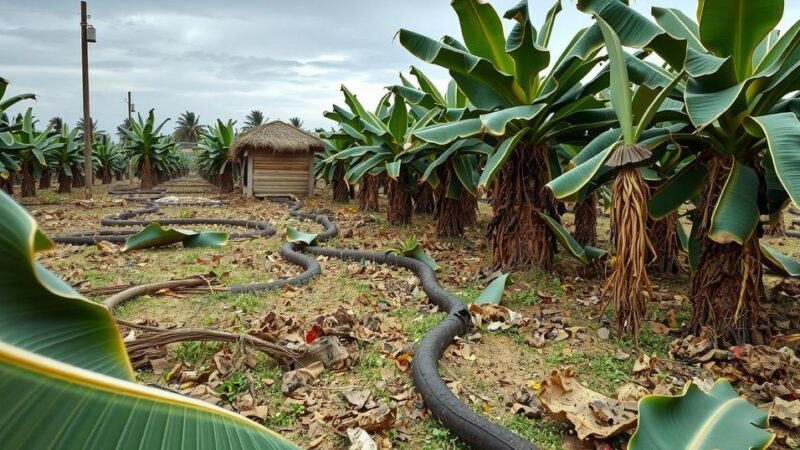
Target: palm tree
(56, 123)
(189, 128)
(254, 119)
(212, 155)
(93, 128)
(296, 122)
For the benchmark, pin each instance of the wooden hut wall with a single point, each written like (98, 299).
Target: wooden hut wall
(281, 173)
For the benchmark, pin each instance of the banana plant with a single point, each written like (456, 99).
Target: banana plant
(66, 159)
(391, 152)
(740, 97)
(147, 148)
(67, 378)
(352, 129)
(212, 154)
(452, 170)
(8, 145)
(35, 145)
(524, 109)
(107, 157)
(330, 169)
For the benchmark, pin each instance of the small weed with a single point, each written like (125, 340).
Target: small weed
(245, 302)
(598, 372)
(545, 434)
(287, 418)
(194, 353)
(232, 386)
(370, 365)
(50, 198)
(440, 438)
(649, 342)
(187, 214)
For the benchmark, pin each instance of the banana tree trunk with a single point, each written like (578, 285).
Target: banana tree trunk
(519, 237)
(664, 237)
(27, 186)
(78, 180)
(45, 180)
(401, 207)
(7, 184)
(586, 221)
(469, 207)
(226, 180)
(118, 176)
(64, 183)
(106, 175)
(424, 203)
(727, 288)
(146, 174)
(628, 280)
(341, 191)
(368, 193)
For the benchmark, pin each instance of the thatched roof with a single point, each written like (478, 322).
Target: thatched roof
(276, 137)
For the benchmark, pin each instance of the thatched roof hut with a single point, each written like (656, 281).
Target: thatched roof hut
(277, 159)
(276, 137)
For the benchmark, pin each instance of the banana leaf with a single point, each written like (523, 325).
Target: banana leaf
(153, 235)
(301, 237)
(699, 420)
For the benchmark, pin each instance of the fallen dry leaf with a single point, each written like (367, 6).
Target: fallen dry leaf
(592, 413)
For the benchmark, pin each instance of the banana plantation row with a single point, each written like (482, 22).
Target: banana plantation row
(698, 122)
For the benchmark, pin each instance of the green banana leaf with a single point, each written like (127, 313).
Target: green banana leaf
(412, 249)
(499, 157)
(736, 214)
(621, 96)
(696, 420)
(777, 261)
(677, 190)
(67, 382)
(493, 293)
(153, 235)
(736, 27)
(300, 237)
(583, 254)
(782, 132)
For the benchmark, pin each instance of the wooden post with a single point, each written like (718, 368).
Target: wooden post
(87, 119)
(127, 125)
(310, 174)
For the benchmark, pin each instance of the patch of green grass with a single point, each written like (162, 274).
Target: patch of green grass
(370, 365)
(194, 353)
(233, 385)
(415, 323)
(436, 437)
(545, 282)
(545, 434)
(285, 418)
(246, 302)
(523, 298)
(50, 198)
(598, 372)
(649, 342)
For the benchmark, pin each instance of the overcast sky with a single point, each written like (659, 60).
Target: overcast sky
(222, 59)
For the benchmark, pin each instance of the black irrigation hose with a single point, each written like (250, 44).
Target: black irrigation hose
(470, 427)
(445, 406)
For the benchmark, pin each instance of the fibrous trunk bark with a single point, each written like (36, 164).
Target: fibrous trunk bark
(106, 175)
(664, 237)
(519, 237)
(27, 187)
(401, 206)
(226, 180)
(727, 287)
(118, 176)
(78, 180)
(341, 191)
(424, 203)
(586, 221)
(7, 184)
(146, 174)
(368, 193)
(629, 281)
(64, 183)
(469, 206)
(45, 180)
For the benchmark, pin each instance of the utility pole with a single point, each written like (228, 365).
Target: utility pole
(87, 119)
(127, 125)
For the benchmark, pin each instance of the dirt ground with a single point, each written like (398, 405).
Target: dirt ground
(497, 369)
